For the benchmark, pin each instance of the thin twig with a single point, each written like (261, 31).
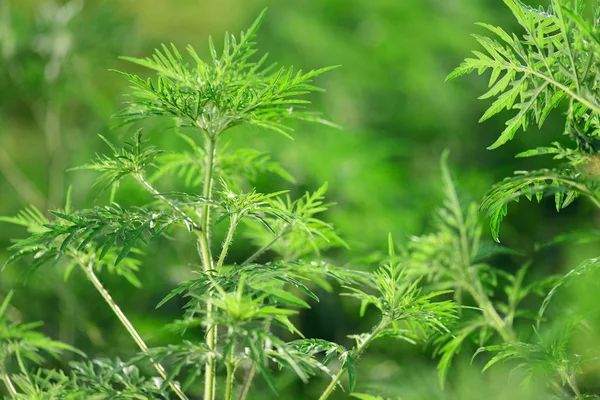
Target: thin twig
(161, 197)
(87, 269)
(265, 247)
(247, 382)
(359, 350)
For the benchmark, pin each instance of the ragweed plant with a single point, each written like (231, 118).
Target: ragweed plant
(246, 309)
(551, 64)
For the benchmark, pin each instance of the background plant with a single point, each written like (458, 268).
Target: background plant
(553, 62)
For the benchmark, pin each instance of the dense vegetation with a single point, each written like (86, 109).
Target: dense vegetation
(193, 175)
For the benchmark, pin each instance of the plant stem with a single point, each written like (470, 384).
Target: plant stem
(9, 385)
(469, 272)
(227, 243)
(230, 364)
(573, 386)
(359, 350)
(229, 383)
(205, 253)
(247, 382)
(252, 371)
(490, 311)
(265, 247)
(130, 328)
(151, 189)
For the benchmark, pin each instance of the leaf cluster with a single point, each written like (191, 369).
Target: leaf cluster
(228, 90)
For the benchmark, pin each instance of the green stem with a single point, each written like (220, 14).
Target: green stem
(226, 243)
(247, 382)
(9, 385)
(499, 324)
(157, 194)
(230, 375)
(252, 371)
(205, 253)
(265, 247)
(359, 350)
(129, 327)
(573, 386)
(229, 383)
(469, 272)
(553, 82)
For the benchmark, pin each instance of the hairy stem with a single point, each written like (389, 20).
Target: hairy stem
(205, 253)
(247, 383)
(230, 374)
(229, 383)
(359, 350)
(130, 328)
(227, 243)
(9, 385)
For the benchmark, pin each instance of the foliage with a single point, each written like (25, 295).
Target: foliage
(451, 289)
(554, 62)
(245, 311)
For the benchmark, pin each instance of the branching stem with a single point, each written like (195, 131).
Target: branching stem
(359, 350)
(154, 192)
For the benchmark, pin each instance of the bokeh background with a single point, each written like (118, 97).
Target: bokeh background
(397, 116)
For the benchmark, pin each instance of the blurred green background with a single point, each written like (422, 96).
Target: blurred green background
(389, 96)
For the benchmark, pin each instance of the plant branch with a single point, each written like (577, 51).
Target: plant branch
(252, 371)
(227, 242)
(566, 89)
(9, 385)
(572, 385)
(359, 350)
(247, 382)
(266, 247)
(161, 197)
(473, 280)
(87, 269)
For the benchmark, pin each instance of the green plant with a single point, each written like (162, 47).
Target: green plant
(244, 309)
(552, 65)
